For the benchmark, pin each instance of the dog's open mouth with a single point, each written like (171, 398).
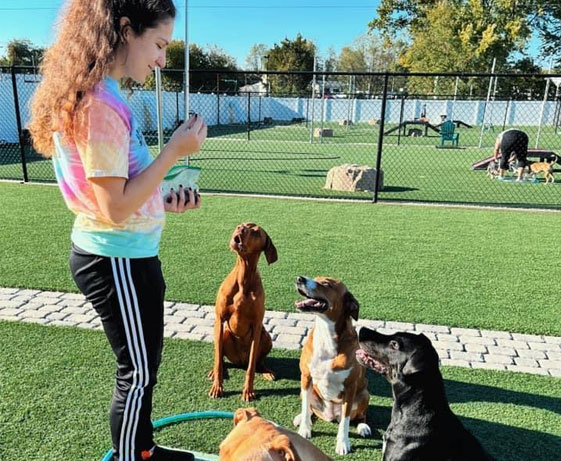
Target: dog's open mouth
(368, 361)
(310, 304)
(236, 243)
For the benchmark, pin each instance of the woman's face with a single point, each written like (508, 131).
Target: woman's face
(143, 53)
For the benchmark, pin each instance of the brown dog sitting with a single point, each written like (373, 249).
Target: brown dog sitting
(544, 167)
(256, 439)
(240, 307)
(333, 384)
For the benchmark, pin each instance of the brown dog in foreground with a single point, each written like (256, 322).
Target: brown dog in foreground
(333, 384)
(544, 167)
(256, 439)
(240, 307)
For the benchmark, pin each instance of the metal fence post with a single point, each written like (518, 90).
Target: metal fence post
(249, 115)
(381, 136)
(18, 121)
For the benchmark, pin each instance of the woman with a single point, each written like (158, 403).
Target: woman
(511, 144)
(108, 179)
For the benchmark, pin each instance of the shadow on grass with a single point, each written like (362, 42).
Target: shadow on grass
(398, 189)
(521, 444)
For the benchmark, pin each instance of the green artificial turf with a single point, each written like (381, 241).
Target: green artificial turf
(56, 384)
(279, 159)
(490, 269)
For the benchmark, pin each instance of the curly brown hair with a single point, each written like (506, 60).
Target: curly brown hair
(89, 35)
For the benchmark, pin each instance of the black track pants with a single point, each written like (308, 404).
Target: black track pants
(128, 295)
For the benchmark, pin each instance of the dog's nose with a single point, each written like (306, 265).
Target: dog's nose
(300, 279)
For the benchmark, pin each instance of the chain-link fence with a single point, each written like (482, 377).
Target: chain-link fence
(419, 137)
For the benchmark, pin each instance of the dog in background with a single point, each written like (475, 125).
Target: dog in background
(333, 384)
(240, 307)
(422, 426)
(256, 439)
(544, 167)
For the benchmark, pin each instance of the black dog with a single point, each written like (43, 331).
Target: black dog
(422, 426)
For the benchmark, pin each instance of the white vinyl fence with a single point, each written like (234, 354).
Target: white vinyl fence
(234, 109)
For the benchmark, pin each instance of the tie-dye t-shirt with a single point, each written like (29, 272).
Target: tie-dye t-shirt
(107, 141)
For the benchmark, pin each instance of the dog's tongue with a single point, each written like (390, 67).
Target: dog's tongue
(307, 303)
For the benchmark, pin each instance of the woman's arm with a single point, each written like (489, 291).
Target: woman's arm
(118, 198)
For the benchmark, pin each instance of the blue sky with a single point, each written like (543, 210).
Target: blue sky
(234, 25)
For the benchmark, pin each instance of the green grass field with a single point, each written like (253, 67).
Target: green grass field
(280, 160)
(56, 384)
(489, 269)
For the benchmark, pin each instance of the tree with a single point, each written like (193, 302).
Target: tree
(547, 21)
(368, 53)
(22, 53)
(331, 61)
(212, 57)
(297, 54)
(521, 88)
(351, 60)
(458, 35)
(455, 35)
(254, 60)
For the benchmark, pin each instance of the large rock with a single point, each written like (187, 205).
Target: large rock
(351, 177)
(325, 133)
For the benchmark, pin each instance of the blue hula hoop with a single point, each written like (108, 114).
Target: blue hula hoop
(179, 418)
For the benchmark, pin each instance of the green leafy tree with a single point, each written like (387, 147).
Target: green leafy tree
(297, 54)
(212, 57)
(521, 88)
(255, 58)
(459, 35)
(368, 53)
(22, 53)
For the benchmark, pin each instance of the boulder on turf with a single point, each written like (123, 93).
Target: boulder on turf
(374, 121)
(352, 177)
(325, 133)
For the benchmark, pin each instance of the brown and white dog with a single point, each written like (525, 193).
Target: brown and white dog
(240, 308)
(333, 384)
(544, 167)
(256, 439)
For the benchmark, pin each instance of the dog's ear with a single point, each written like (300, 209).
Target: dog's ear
(351, 305)
(244, 414)
(283, 446)
(270, 250)
(414, 364)
(421, 359)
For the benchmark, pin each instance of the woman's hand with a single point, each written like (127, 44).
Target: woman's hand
(189, 137)
(174, 202)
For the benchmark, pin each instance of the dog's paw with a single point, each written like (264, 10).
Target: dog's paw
(297, 419)
(305, 431)
(343, 446)
(364, 430)
(216, 391)
(248, 394)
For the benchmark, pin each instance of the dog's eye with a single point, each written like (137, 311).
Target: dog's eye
(394, 345)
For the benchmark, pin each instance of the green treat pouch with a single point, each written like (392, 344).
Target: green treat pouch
(186, 175)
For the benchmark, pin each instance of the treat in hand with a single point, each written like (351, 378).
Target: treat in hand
(189, 137)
